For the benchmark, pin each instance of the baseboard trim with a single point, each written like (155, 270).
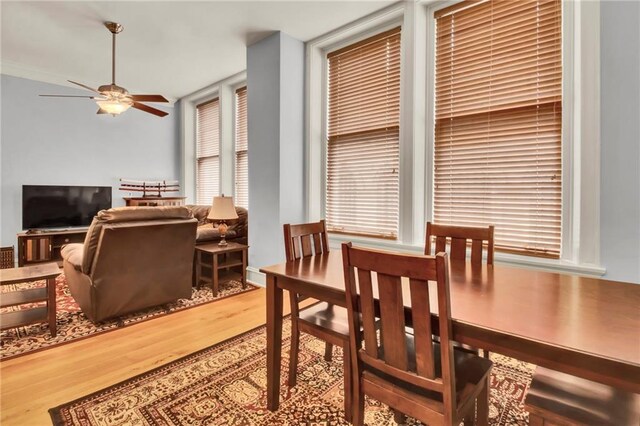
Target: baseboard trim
(256, 277)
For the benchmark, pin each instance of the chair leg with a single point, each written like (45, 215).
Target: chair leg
(328, 348)
(295, 340)
(482, 404)
(470, 418)
(328, 352)
(348, 388)
(293, 356)
(357, 404)
(399, 417)
(485, 353)
(535, 420)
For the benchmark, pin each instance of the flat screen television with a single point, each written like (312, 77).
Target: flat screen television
(48, 206)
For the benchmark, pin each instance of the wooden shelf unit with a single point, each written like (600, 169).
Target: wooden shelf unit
(25, 317)
(45, 246)
(13, 298)
(154, 201)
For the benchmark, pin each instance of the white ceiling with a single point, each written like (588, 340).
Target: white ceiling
(173, 48)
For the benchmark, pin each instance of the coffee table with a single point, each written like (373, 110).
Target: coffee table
(212, 259)
(45, 271)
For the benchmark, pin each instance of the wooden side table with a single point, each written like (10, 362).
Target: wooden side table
(46, 271)
(214, 262)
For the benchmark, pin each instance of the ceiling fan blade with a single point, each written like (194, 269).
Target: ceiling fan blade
(82, 85)
(101, 111)
(149, 98)
(68, 96)
(150, 110)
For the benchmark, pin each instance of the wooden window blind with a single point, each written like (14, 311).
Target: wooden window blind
(362, 195)
(242, 157)
(498, 121)
(208, 152)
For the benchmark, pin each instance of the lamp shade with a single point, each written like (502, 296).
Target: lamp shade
(222, 209)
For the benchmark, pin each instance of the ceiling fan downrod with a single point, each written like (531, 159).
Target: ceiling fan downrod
(115, 29)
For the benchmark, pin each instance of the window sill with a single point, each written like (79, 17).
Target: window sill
(336, 240)
(552, 265)
(519, 261)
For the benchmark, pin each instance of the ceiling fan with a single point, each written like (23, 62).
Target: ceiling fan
(113, 99)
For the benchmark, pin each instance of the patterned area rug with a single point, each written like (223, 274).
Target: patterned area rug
(225, 384)
(73, 324)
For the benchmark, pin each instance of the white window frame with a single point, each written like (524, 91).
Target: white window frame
(580, 138)
(234, 87)
(580, 251)
(224, 90)
(316, 109)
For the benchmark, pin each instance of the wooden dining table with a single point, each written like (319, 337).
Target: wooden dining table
(583, 326)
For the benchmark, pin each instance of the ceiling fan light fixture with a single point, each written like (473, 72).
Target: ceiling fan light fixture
(114, 106)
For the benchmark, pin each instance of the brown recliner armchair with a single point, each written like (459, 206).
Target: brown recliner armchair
(132, 258)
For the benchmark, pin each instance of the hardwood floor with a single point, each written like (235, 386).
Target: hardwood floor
(32, 384)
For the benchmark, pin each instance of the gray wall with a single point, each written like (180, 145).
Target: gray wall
(291, 130)
(620, 139)
(48, 141)
(263, 105)
(275, 76)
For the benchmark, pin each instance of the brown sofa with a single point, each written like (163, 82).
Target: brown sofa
(132, 258)
(238, 229)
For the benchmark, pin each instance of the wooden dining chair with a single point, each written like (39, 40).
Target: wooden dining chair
(409, 372)
(458, 238)
(559, 399)
(322, 320)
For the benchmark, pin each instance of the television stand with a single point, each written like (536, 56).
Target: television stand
(45, 245)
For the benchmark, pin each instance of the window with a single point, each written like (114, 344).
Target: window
(207, 151)
(242, 157)
(362, 195)
(498, 114)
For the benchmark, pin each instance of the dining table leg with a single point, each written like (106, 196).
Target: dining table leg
(274, 342)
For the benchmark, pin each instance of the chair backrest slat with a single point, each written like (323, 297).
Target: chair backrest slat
(298, 240)
(369, 273)
(441, 245)
(368, 313)
(306, 245)
(459, 237)
(296, 248)
(392, 321)
(317, 245)
(421, 309)
(458, 248)
(476, 252)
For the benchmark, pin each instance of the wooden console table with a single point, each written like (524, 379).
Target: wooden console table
(48, 272)
(154, 201)
(45, 246)
(220, 259)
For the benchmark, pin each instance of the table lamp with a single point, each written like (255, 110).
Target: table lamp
(222, 210)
